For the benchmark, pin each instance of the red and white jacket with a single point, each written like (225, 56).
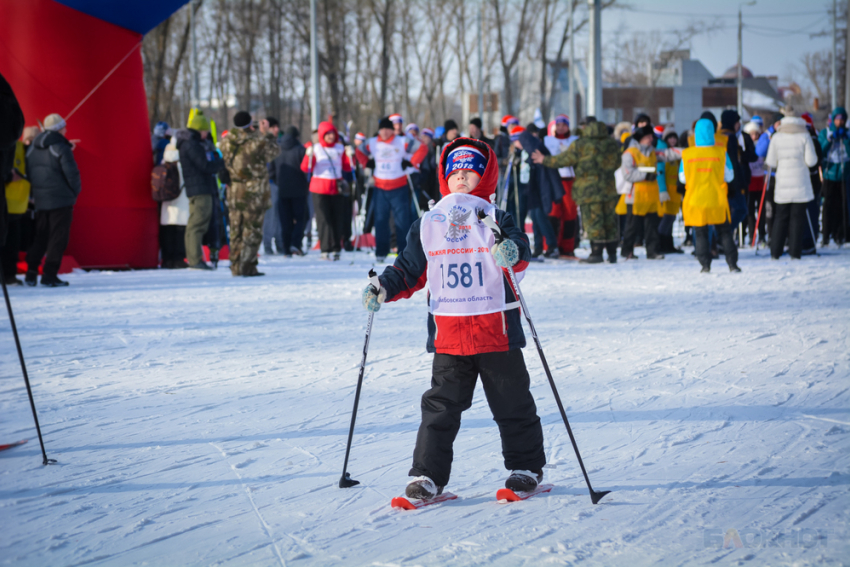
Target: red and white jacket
(327, 164)
(464, 335)
(388, 155)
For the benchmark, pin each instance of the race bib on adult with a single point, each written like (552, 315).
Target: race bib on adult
(463, 278)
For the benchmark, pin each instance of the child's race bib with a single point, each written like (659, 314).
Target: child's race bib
(463, 278)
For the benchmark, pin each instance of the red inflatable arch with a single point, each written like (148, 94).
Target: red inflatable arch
(53, 55)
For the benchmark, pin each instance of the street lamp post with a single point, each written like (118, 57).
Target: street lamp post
(314, 68)
(594, 59)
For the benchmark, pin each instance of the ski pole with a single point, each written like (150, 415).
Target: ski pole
(46, 461)
(504, 200)
(761, 205)
(594, 496)
(413, 196)
(345, 480)
(812, 230)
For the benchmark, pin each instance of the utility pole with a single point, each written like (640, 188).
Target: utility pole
(741, 58)
(594, 59)
(833, 84)
(847, 60)
(481, 70)
(314, 68)
(571, 83)
(740, 64)
(196, 84)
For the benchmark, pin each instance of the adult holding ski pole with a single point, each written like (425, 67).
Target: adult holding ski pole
(388, 155)
(835, 143)
(474, 322)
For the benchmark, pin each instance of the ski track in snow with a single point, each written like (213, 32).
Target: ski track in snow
(200, 419)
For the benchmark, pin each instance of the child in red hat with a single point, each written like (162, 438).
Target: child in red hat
(474, 321)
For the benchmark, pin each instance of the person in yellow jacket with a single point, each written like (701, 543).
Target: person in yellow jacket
(17, 200)
(640, 167)
(705, 170)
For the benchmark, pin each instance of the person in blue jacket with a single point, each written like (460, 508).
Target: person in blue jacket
(835, 142)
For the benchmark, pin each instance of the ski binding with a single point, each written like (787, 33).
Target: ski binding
(405, 504)
(505, 495)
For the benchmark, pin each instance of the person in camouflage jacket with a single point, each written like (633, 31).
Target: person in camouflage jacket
(594, 156)
(246, 153)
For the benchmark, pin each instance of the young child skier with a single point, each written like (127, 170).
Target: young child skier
(474, 320)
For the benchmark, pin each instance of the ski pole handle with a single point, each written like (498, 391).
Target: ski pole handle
(373, 279)
(491, 224)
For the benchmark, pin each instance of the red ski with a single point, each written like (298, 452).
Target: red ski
(507, 495)
(405, 504)
(10, 445)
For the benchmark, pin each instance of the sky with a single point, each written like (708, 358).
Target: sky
(777, 36)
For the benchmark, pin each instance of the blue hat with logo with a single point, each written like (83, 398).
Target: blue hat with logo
(466, 158)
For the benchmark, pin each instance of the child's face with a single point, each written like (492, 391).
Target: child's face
(463, 181)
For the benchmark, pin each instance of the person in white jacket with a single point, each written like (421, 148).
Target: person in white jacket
(791, 154)
(173, 217)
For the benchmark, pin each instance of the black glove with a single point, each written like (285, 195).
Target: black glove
(650, 177)
(405, 164)
(370, 163)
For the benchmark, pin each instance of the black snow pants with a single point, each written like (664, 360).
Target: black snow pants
(506, 386)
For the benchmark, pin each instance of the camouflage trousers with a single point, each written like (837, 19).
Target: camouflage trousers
(246, 237)
(600, 222)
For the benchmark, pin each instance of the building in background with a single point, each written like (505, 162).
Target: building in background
(683, 89)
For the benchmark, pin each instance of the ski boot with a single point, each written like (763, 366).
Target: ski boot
(524, 481)
(422, 488)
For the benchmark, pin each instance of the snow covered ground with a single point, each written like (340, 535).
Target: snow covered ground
(200, 419)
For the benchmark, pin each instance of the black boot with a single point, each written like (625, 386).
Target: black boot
(595, 254)
(611, 247)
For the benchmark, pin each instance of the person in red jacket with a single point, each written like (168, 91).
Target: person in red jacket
(474, 320)
(327, 164)
(389, 154)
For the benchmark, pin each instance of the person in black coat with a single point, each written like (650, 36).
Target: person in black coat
(199, 169)
(741, 157)
(293, 190)
(11, 127)
(544, 190)
(55, 180)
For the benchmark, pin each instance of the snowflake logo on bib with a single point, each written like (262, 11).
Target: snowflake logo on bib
(459, 226)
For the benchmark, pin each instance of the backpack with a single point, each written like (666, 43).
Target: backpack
(165, 182)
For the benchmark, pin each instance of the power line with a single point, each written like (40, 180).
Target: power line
(749, 14)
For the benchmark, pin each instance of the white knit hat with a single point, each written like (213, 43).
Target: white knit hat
(54, 122)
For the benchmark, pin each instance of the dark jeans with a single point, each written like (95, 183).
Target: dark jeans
(542, 227)
(172, 242)
(702, 248)
(737, 208)
(506, 386)
(399, 200)
(834, 217)
(293, 219)
(330, 219)
(789, 222)
(9, 251)
(754, 201)
(52, 232)
(649, 223)
(272, 228)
